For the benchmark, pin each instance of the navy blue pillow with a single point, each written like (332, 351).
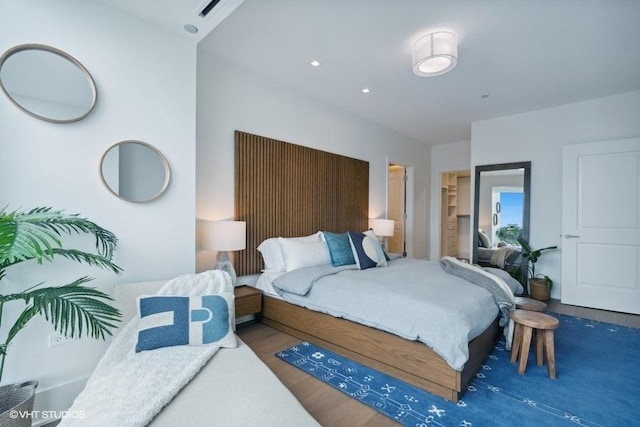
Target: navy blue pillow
(367, 258)
(339, 248)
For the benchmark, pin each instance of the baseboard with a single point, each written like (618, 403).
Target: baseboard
(52, 404)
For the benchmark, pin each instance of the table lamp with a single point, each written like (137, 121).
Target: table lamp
(225, 236)
(383, 228)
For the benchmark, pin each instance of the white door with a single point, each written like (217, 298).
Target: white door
(601, 225)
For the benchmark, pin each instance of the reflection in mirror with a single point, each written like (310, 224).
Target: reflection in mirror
(47, 83)
(135, 171)
(501, 214)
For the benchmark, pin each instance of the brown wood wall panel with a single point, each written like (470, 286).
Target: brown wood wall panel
(287, 190)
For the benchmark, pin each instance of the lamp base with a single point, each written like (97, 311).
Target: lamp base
(223, 262)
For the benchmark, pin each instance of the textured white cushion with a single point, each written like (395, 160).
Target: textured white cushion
(218, 396)
(240, 372)
(300, 254)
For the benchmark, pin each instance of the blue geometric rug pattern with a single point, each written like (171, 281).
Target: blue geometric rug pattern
(598, 383)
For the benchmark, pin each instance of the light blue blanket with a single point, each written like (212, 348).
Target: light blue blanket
(414, 299)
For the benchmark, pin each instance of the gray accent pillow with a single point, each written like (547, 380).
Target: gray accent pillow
(516, 287)
(484, 239)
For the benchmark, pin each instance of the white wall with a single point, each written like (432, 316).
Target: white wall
(451, 157)
(538, 136)
(230, 98)
(146, 87)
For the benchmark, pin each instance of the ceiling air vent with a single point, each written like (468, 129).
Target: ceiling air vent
(208, 8)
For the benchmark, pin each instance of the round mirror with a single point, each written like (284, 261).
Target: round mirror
(47, 83)
(135, 171)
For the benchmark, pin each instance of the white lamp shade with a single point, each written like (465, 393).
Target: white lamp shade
(224, 235)
(382, 227)
(435, 53)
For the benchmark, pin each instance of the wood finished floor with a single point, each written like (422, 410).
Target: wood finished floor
(331, 407)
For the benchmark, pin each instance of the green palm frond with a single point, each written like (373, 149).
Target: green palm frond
(87, 258)
(36, 234)
(72, 309)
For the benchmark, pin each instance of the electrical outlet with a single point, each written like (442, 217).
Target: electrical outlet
(57, 339)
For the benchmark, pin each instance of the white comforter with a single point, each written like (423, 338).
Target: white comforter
(414, 299)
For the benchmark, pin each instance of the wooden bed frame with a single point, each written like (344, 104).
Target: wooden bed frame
(410, 361)
(287, 190)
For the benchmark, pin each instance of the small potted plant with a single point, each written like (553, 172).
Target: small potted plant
(539, 284)
(74, 309)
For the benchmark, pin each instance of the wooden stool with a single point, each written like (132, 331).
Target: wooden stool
(530, 304)
(525, 323)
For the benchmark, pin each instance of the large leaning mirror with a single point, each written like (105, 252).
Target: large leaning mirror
(501, 214)
(135, 171)
(47, 83)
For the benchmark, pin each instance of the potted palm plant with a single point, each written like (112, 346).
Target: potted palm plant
(539, 284)
(73, 309)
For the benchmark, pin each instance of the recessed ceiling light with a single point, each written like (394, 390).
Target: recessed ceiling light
(485, 96)
(315, 63)
(191, 28)
(366, 90)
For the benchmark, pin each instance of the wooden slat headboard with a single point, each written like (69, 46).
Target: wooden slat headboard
(287, 190)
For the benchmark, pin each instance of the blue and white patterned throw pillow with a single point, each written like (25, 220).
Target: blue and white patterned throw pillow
(367, 250)
(170, 320)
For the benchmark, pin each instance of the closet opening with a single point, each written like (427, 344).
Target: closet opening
(455, 214)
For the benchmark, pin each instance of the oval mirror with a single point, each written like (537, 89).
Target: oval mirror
(47, 83)
(135, 171)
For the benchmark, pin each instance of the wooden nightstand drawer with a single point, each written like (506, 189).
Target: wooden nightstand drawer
(248, 300)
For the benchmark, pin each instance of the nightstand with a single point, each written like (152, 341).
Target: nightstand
(248, 300)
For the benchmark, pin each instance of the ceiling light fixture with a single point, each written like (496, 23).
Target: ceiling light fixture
(366, 90)
(435, 54)
(314, 63)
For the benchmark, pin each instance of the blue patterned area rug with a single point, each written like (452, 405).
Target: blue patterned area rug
(598, 384)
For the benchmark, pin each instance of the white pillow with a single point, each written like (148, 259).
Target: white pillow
(300, 253)
(272, 254)
(484, 239)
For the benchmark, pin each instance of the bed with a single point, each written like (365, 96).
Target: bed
(505, 257)
(283, 189)
(419, 333)
(233, 388)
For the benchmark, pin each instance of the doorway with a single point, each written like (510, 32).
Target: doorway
(397, 209)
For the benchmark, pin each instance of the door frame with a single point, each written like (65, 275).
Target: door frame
(409, 203)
